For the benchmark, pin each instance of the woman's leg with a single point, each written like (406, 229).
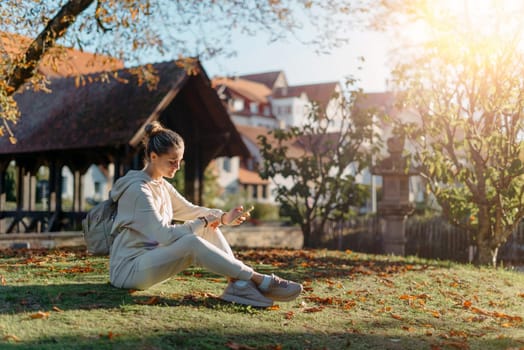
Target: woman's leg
(216, 237)
(163, 262)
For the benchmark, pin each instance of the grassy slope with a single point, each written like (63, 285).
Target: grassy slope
(62, 300)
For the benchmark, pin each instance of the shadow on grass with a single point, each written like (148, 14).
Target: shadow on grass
(92, 296)
(311, 264)
(179, 338)
(27, 298)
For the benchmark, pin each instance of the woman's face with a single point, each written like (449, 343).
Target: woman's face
(166, 165)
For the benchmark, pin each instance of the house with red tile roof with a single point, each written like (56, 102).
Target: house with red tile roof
(288, 106)
(258, 103)
(273, 80)
(246, 101)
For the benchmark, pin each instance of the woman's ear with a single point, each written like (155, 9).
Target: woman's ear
(153, 156)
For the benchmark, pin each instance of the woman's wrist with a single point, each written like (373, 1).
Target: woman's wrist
(222, 219)
(204, 220)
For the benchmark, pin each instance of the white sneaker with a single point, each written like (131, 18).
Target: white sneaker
(245, 293)
(282, 290)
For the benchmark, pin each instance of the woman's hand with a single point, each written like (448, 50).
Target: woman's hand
(212, 221)
(235, 216)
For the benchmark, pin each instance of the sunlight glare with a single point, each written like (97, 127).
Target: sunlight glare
(478, 17)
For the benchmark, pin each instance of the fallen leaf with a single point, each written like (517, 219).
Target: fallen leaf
(110, 335)
(40, 314)
(313, 309)
(457, 345)
(396, 317)
(57, 309)
(12, 337)
(151, 301)
(274, 307)
(236, 346)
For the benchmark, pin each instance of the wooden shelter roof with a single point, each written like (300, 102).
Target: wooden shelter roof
(113, 113)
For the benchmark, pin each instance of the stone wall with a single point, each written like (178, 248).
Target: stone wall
(242, 236)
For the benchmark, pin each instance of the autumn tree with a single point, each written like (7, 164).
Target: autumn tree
(315, 167)
(135, 30)
(465, 85)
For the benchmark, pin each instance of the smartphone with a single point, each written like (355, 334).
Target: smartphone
(244, 212)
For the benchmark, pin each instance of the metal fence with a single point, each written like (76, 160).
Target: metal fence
(432, 238)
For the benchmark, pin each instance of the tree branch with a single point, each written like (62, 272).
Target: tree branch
(55, 29)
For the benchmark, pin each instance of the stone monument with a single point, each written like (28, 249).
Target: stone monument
(395, 206)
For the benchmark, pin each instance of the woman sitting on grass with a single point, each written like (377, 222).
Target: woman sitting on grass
(150, 249)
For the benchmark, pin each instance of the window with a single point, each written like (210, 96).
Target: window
(253, 107)
(226, 164)
(255, 191)
(249, 164)
(264, 191)
(238, 104)
(267, 111)
(98, 187)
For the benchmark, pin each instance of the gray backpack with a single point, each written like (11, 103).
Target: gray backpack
(97, 227)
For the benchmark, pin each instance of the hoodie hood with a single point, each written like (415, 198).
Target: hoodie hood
(123, 183)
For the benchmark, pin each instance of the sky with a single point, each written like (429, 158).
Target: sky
(302, 65)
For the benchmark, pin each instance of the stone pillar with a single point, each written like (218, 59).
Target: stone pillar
(395, 206)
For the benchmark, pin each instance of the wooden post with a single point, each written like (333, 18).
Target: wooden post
(55, 195)
(78, 200)
(194, 175)
(3, 192)
(22, 197)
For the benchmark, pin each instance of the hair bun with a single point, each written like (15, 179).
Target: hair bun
(153, 128)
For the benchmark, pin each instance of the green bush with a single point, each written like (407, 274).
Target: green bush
(265, 212)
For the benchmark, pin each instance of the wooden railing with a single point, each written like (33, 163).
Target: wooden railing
(25, 221)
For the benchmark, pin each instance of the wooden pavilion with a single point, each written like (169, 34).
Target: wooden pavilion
(101, 122)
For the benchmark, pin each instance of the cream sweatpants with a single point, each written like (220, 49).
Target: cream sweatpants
(207, 248)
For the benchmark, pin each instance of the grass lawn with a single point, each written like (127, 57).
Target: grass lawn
(61, 299)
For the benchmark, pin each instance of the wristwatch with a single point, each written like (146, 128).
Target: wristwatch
(203, 218)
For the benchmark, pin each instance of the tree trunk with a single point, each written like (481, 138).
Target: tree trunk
(55, 29)
(307, 235)
(486, 255)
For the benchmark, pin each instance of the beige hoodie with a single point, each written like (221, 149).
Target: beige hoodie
(146, 209)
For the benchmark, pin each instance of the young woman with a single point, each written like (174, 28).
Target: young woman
(150, 249)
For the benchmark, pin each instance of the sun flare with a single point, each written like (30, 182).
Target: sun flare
(493, 18)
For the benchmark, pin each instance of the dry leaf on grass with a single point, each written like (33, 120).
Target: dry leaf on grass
(151, 301)
(110, 335)
(40, 314)
(12, 337)
(235, 346)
